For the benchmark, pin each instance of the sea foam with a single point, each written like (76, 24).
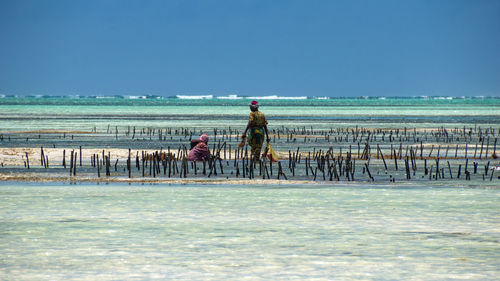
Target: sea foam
(186, 97)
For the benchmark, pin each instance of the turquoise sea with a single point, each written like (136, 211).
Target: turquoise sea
(422, 229)
(202, 112)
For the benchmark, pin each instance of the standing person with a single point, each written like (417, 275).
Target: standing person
(199, 149)
(257, 124)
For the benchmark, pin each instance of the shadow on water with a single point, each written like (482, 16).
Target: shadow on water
(73, 220)
(450, 235)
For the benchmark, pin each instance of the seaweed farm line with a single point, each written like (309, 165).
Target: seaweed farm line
(305, 154)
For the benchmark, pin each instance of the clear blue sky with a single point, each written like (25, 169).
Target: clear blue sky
(288, 48)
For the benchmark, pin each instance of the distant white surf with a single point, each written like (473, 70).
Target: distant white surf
(274, 97)
(229, 97)
(185, 97)
(135, 97)
(236, 97)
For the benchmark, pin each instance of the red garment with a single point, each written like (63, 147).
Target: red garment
(199, 152)
(194, 143)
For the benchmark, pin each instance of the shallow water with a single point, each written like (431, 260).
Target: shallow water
(273, 232)
(36, 113)
(421, 229)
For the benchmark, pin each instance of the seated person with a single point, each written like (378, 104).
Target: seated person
(199, 149)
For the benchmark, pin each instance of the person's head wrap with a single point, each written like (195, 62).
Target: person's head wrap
(204, 138)
(254, 105)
